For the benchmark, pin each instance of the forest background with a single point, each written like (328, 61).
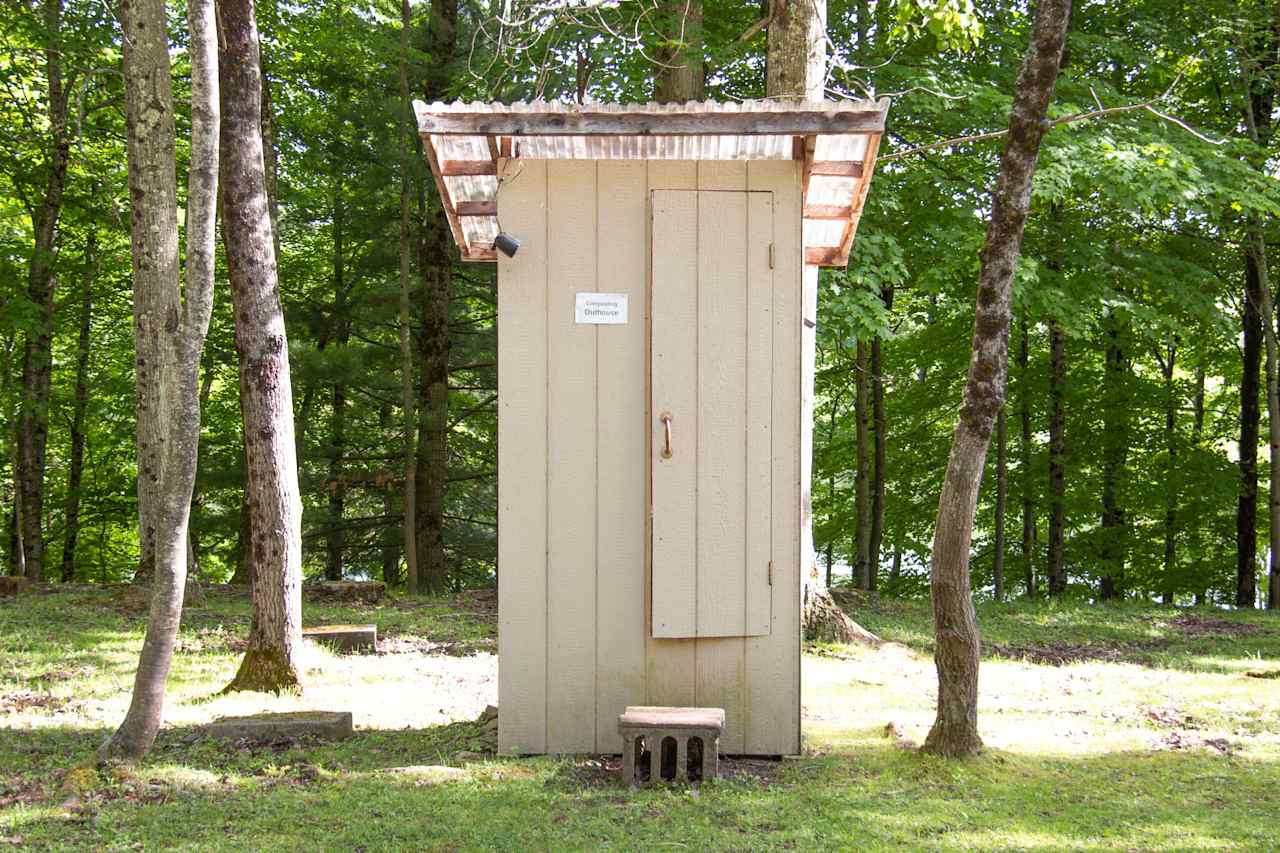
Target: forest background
(1132, 458)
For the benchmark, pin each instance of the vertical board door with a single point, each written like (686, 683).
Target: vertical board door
(711, 396)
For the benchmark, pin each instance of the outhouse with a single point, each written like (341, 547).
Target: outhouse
(655, 358)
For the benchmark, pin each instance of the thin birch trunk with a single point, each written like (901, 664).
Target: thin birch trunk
(955, 730)
(1172, 474)
(170, 322)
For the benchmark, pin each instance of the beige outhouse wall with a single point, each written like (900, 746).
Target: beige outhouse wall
(574, 458)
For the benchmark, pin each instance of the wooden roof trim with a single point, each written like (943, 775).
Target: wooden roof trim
(445, 199)
(859, 200)
(768, 119)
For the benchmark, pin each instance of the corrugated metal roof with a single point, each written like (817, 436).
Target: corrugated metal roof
(837, 141)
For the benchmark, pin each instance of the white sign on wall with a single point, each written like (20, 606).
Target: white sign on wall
(601, 308)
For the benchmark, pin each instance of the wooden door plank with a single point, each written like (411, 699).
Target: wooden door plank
(669, 663)
(571, 456)
(522, 470)
(674, 394)
(621, 446)
(720, 680)
(759, 414)
(773, 662)
(721, 436)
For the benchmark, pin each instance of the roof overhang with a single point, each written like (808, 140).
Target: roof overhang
(836, 142)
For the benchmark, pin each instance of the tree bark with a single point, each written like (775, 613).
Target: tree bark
(75, 469)
(681, 71)
(861, 502)
(1172, 474)
(1115, 452)
(266, 400)
(1024, 450)
(1002, 499)
(796, 65)
(435, 261)
(170, 322)
(1250, 420)
(37, 354)
(955, 730)
(335, 535)
(880, 449)
(408, 165)
(1055, 562)
(796, 68)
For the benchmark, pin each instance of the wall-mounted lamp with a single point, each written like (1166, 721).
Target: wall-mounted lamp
(506, 244)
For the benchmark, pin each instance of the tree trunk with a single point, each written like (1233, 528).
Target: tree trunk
(435, 262)
(796, 65)
(335, 538)
(37, 354)
(880, 451)
(955, 731)
(75, 471)
(1055, 562)
(1002, 499)
(169, 324)
(1260, 104)
(679, 54)
(1024, 450)
(1257, 245)
(861, 503)
(1250, 419)
(266, 401)
(408, 165)
(796, 69)
(1172, 474)
(243, 572)
(1115, 452)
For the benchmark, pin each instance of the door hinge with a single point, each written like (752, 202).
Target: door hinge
(771, 573)
(770, 256)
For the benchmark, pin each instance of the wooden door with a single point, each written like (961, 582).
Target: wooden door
(711, 394)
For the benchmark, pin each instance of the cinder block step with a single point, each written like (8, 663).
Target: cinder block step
(670, 743)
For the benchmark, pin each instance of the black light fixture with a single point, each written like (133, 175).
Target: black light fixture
(506, 244)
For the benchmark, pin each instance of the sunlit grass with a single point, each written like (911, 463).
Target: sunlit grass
(1171, 747)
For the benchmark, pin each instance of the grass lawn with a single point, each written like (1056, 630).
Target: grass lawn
(1108, 728)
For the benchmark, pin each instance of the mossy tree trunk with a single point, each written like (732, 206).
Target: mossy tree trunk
(266, 398)
(956, 649)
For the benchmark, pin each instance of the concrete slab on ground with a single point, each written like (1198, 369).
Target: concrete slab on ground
(345, 638)
(327, 725)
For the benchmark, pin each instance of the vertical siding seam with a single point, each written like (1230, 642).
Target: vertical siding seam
(697, 412)
(595, 560)
(546, 478)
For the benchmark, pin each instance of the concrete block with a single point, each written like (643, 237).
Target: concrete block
(327, 725)
(345, 638)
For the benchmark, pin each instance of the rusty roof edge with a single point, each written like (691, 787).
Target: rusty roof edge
(443, 119)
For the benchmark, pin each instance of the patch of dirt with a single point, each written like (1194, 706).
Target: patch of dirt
(28, 700)
(1194, 625)
(1060, 654)
(409, 644)
(213, 639)
(1178, 741)
(16, 790)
